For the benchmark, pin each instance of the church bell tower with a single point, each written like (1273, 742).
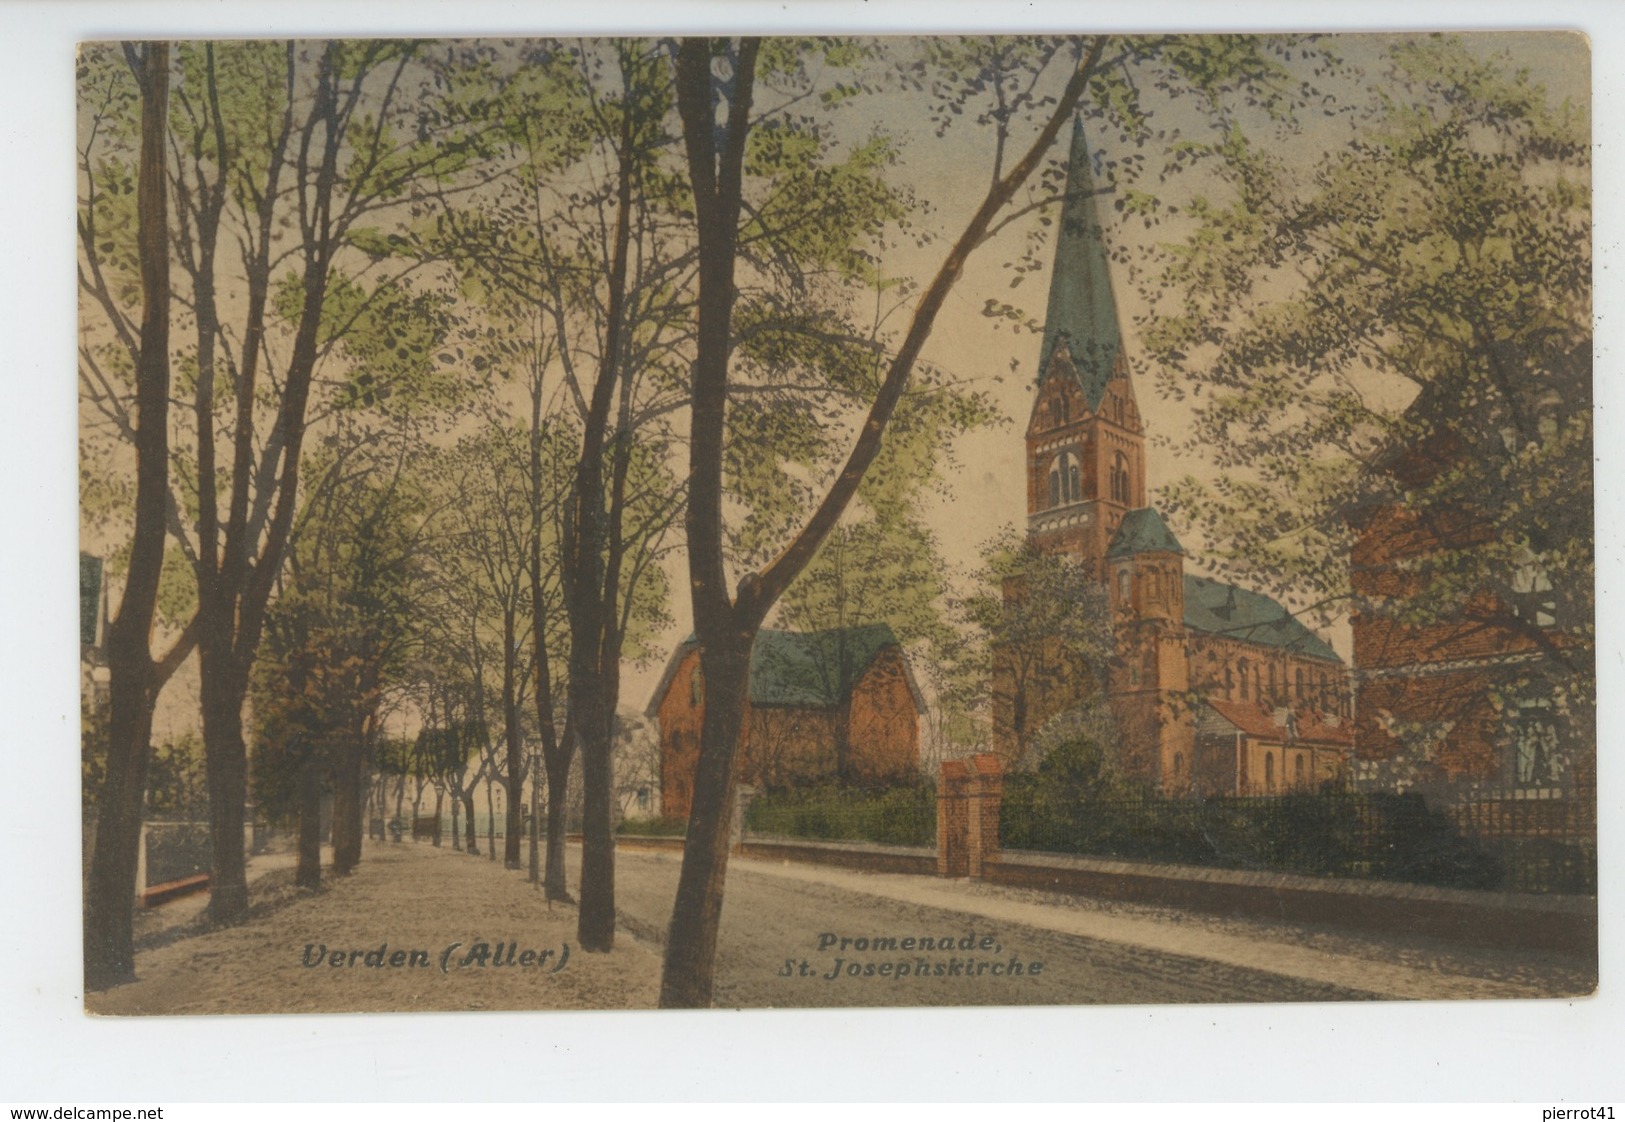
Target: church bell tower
(1085, 439)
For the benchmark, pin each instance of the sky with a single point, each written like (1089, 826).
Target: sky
(985, 493)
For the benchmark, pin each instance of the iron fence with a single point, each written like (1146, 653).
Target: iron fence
(1480, 843)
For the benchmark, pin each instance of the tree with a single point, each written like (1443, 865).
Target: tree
(1012, 87)
(1046, 640)
(281, 152)
(336, 639)
(716, 146)
(1405, 331)
(135, 676)
(484, 582)
(574, 246)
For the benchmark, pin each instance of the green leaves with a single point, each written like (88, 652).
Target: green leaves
(1406, 327)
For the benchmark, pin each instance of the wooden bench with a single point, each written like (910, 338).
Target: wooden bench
(174, 890)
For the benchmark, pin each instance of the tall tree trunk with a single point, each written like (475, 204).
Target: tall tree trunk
(556, 749)
(439, 799)
(726, 627)
(534, 874)
(490, 821)
(110, 894)
(591, 582)
(226, 771)
(109, 952)
(400, 797)
(691, 941)
(596, 920)
(471, 840)
(554, 886)
(514, 774)
(308, 874)
(348, 793)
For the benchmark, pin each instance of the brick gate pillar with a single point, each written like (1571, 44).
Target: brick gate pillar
(985, 797)
(952, 821)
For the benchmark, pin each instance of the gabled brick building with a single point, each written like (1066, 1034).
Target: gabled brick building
(1215, 689)
(824, 706)
(1467, 704)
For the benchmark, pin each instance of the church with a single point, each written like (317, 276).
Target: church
(1214, 689)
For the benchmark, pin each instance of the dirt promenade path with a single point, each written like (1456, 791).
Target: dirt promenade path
(1093, 951)
(432, 920)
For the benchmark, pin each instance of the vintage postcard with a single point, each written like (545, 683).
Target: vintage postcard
(785, 522)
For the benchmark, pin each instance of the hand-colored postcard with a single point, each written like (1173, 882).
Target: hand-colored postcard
(632, 523)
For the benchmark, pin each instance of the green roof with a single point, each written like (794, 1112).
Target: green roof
(1082, 312)
(814, 669)
(805, 669)
(1236, 613)
(1143, 531)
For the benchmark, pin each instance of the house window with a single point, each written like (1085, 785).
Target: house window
(1244, 679)
(1229, 683)
(1269, 772)
(1297, 770)
(1065, 479)
(1534, 745)
(1123, 587)
(1532, 596)
(1119, 478)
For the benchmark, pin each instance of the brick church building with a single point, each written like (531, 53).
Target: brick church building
(1215, 689)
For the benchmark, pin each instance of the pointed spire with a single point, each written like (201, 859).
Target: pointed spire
(1082, 313)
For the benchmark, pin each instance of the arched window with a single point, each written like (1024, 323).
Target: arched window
(1119, 479)
(1274, 693)
(1153, 585)
(1297, 770)
(1325, 690)
(1258, 685)
(1269, 772)
(1300, 683)
(1229, 683)
(1179, 764)
(696, 686)
(1244, 679)
(1065, 479)
(1123, 587)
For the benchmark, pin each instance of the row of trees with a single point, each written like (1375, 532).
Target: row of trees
(431, 359)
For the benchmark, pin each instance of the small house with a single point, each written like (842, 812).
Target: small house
(837, 706)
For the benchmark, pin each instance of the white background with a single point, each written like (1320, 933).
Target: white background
(1536, 1052)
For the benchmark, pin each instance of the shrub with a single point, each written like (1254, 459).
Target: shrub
(653, 827)
(903, 815)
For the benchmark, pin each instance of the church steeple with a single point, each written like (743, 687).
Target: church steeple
(1082, 313)
(1085, 439)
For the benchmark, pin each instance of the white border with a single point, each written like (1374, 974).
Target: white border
(1534, 1051)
